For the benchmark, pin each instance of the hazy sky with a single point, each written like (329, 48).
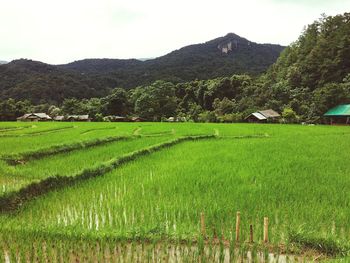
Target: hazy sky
(60, 31)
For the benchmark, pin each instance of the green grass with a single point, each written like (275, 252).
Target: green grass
(298, 176)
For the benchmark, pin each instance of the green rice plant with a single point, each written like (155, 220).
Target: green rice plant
(16, 145)
(328, 246)
(15, 133)
(23, 157)
(13, 200)
(153, 190)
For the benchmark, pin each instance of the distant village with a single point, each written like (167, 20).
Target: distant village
(35, 117)
(337, 115)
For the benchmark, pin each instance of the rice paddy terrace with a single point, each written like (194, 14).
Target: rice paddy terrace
(170, 192)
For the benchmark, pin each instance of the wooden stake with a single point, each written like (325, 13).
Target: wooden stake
(266, 229)
(214, 233)
(203, 224)
(251, 237)
(238, 222)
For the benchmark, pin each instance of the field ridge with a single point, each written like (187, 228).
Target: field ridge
(37, 133)
(20, 158)
(15, 199)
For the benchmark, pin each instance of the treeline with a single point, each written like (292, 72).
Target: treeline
(311, 76)
(228, 99)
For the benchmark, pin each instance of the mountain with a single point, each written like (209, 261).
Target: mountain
(3, 62)
(219, 57)
(104, 65)
(224, 56)
(44, 83)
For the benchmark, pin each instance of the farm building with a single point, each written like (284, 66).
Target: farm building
(177, 119)
(263, 116)
(58, 118)
(339, 114)
(137, 119)
(78, 118)
(34, 117)
(114, 118)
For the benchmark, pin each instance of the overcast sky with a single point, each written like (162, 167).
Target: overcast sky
(61, 31)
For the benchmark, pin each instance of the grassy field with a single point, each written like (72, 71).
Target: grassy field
(126, 190)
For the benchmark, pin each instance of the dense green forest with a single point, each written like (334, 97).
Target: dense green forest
(309, 77)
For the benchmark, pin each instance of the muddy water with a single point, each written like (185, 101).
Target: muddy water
(143, 253)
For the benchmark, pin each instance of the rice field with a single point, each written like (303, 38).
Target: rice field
(169, 192)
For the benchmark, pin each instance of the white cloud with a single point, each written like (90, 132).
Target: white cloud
(59, 31)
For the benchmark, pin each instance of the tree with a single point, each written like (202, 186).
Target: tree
(147, 106)
(23, 107)
(8, 110)
(328, 96)
(94, 108)
(207, 116)
(194, 111)
(54, 111)
(156, 101)
(72, 106)
(233, 117)
(289, 115)
(223, 106)
(116, 103)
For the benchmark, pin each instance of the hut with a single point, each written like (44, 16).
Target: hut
(114, 118)
(34, 117)
(78, 118)
(58, 118)
(338, 115)
(136, 119)
(263, 116)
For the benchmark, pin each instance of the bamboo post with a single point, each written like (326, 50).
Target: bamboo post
(251, 237)
(266, 229)
(238, 222)
(215, 235)
(202, 224)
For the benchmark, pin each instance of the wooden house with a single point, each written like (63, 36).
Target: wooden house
(338, 115)
(136, 119)
(78, 118)
(34, 117)
(59, 118)
(263, 116)
(115, 118)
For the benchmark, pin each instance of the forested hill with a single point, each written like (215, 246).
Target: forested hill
(101, 65)
(313, 74)
(42, 83)
(321, 55)
(224, 56)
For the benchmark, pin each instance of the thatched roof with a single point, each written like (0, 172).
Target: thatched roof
(264, 115)
(137, 118)
(58, 118)
(269, 113)
(39, 115)
(78, 117)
